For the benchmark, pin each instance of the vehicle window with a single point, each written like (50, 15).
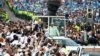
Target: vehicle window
(66, 42)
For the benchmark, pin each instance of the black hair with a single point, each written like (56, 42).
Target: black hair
(64, 46)
(3, 35)
(18, 46)
(98, 32)
(37, 54)
(15, 37)
(42, 54)
(18, 32)
(15, 30)
(23, 53)
(29, 40)
(0, 45)
(72, 52)
(58, 54)
(29, 53)
(92, 41)
(30, 48)
(38, 34)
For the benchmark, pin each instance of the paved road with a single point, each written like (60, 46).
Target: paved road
(11, 15)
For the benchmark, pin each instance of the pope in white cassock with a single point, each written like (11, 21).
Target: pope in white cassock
(53, 30)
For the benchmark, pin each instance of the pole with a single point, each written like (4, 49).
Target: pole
(85, 36)
(65, 27)
(33, 23)
(49, 25)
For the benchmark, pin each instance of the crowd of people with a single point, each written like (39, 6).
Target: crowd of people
(84, 33)
(19, 39)
(37, 6)
(77, 5)
(23, 38)
(30, 39)
(40, 7)
(79, 9)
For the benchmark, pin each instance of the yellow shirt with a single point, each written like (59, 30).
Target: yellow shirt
(77, 27)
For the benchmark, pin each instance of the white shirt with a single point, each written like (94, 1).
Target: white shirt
(23, 45)
(31, 43)
(6, 54)
(1, 51)
(22, 39)
(11, 36)
(35, 36)
(8, 33)
(17, 54)
(34, 53)
(15, 42)
(25, 40)
(46, 32)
